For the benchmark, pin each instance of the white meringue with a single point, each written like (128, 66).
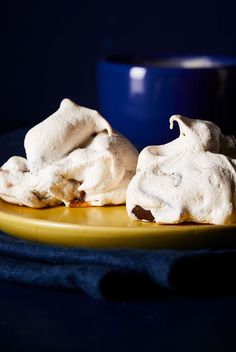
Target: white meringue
(70, 127)
(73, 157)
(192, 178)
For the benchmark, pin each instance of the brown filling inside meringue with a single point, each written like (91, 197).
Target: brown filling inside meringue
(143, 214)
(79, 202)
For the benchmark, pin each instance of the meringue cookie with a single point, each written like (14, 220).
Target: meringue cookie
(191, 179)
(73, 157)
(68, 128)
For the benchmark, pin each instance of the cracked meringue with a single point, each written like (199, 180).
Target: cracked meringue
(73, 157)
(191, 179)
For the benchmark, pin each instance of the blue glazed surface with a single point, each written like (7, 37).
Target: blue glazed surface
(139, 97)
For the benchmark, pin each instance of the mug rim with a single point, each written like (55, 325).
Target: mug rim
(172, 62)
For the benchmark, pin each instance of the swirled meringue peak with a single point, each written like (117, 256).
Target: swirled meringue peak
(191, 179)
(72, 157)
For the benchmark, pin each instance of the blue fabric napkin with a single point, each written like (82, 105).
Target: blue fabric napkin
(118, 273)
(112, 273)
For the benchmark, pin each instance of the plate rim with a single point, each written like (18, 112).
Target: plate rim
(97, 236)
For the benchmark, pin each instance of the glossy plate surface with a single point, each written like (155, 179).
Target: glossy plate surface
(107, 227)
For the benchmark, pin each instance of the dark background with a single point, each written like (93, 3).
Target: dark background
(49, 49)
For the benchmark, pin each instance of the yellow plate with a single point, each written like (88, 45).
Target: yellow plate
(107, 227)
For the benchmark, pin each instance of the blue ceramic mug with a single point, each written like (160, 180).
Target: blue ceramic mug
(138, 96)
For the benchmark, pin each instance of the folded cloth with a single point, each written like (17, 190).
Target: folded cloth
(113, 273)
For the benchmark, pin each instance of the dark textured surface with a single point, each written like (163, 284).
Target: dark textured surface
(118, 273)
(37, 319)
